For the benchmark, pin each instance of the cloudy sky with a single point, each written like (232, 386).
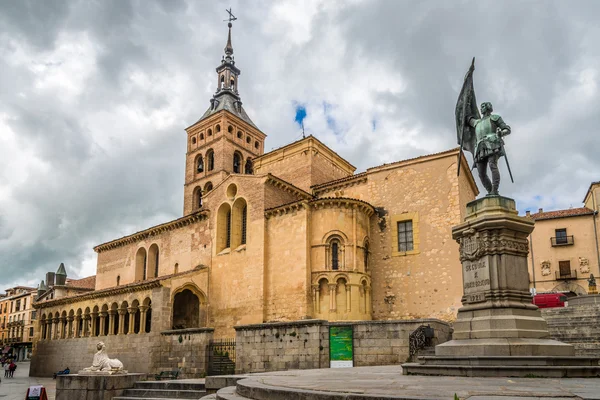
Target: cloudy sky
(94, 97)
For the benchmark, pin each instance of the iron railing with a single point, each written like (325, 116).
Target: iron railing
(562, 241)
(419, 339)
(562, 276)
(221, 357)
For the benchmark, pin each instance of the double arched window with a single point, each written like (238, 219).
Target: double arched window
(335, 252)
(232, 225)
(237, 163)
(199, 164)
(248, 168)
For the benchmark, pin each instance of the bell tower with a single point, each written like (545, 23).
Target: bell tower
(224, 140)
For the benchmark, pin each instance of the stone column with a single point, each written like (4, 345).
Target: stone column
(122, 313)
(103, 315)
(48, 324)
(316, 299)
(55, 330)
(69, 333)
(368, 306)
(348, 297)
(111, 321)
(132, 311)
(94, 317)
(86, 326)
(77, 326)
(332, 302)
(143, 310)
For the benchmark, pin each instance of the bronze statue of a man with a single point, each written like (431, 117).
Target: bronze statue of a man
(480, 134)
(489, 146)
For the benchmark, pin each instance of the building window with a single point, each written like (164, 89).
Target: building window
(193, 140)
(33, 315)
(24, 304)
(237, 161)
(256, 145)
(228, 241)
(208, 187)
(248, 168)
(202, 136)
(366, 256)
(561, 236)
(230, 129)
(248, 139)
(223, 227)
(405, 236)
(239, 134)
(210, 160)
(244, 222)
(118, 280)
(564, 268)
(31, 332)
(218, 128)
(335, 255)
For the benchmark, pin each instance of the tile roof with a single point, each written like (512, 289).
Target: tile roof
(227, 101)
(571, 212)
(83, 283)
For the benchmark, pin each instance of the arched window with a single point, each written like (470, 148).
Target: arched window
(222, 81)
(237, 163)
(335, 254)
(256, 144)
(232, 84)
(197, 198)
(230, 129)
(366, 256)
(209, 132)
(199, 164)
(218, 128)
(153, 255)
(118, 280)
(248, 168)
(140, 264)
(176, 268)
(193, 140)
(239, 134)
(248, 139)
(244, 223)
(186, 310)
(223, 227)
(210, 160)
(202, 136)
(208, 187)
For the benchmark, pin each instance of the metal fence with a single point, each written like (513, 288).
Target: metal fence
(221, 357)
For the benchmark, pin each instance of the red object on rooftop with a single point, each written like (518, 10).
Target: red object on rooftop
(549, 300)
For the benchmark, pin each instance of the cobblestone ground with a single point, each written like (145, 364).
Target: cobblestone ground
(16, 388)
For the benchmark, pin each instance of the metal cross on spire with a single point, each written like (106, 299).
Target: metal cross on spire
(231, 16)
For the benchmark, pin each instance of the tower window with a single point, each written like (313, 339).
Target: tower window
(222, 81)
(248, 140)
(237, 161)
(210, 159)
(248, 167)
(209, 132)
(232, 84)
(193, 140)
(218, 128)
(200, 164)
(202, 136)
(405, 236)
(366, 257)
(230, 129)
(239, 134)
(256, 144)
(198, 197)
(208, 187)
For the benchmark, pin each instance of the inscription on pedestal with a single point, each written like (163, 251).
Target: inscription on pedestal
(476, 280)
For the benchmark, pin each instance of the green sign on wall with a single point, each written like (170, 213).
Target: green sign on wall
(341, 348)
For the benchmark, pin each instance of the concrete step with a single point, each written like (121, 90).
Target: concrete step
(517, 371)
(229, 393)
(164, 393)
(191, 384)
(209, 397)
(536, 361)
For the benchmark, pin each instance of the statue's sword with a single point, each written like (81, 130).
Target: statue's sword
(506, 159)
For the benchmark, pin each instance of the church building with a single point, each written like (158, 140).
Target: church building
(291, 234)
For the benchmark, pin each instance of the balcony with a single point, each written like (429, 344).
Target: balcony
(557, 241)
(16, 323)
(562, 276)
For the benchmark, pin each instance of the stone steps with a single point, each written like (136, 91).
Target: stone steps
(229, 393)
(511, 360)
(163, 390)
(493, 371)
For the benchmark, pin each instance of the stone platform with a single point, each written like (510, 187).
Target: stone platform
(94, 387)
(387, 382)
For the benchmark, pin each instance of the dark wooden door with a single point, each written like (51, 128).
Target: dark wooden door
(564, 267)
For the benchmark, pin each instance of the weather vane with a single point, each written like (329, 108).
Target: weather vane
(231, 16)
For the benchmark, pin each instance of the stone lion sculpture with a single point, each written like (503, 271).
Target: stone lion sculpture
(103, 363)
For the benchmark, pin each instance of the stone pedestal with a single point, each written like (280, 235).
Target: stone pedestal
(497, 317)
(94, 386)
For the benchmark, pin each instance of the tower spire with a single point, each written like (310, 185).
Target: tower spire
(228, 47)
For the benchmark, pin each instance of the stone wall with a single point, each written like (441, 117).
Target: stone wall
(305, 344)
(149, 353)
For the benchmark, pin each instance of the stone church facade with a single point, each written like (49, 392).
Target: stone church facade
(292, 234)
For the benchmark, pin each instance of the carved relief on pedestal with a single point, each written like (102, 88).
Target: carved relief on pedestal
(584, 265)
(474, 245)
(546, 269)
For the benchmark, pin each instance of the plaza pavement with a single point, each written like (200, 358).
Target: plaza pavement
(388, 382)
(16, 388)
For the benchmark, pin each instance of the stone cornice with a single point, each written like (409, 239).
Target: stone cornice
(287, 187)
(97, 294)
(357, 179)
(153, 231)
(321, 203)
(187, 331)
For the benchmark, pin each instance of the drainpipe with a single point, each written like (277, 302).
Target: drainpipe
(595, 228)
